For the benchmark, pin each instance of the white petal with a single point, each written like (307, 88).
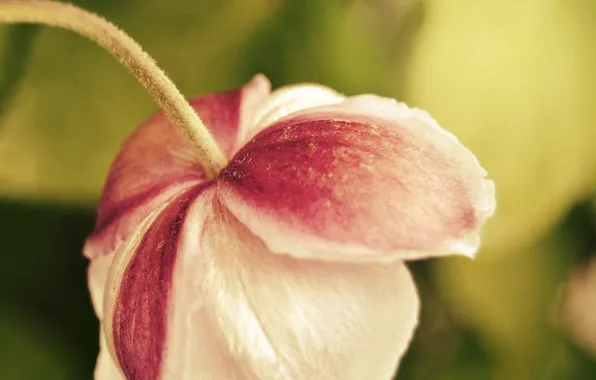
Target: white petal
(290, 99)
(252, 314)
(106, 368)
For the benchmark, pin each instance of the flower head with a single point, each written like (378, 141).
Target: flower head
(289, 263)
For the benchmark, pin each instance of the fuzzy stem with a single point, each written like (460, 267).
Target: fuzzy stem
(131, 55)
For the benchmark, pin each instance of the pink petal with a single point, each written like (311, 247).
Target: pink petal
(155, 164)
(364, 179)
(141, 309)
(138, 304)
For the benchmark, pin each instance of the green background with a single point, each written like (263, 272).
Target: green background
(513, 79)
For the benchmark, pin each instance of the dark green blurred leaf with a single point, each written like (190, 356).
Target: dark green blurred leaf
(47, 322)
(30, 349)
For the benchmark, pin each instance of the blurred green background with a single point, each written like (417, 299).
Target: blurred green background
(515, 80)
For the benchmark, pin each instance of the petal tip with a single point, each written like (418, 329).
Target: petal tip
(260, 80)
(488, 203)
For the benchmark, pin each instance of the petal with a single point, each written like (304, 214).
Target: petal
(155, 164)
(106, 368)
(138, 304)
(291, 99)
(365, 179)
(231, 115)
(97, 274)
(268, 316)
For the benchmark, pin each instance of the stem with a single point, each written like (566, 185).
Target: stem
(131, 55)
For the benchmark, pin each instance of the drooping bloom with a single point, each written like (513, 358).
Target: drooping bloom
(289, 264)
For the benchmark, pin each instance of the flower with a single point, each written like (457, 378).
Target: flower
(289, 264)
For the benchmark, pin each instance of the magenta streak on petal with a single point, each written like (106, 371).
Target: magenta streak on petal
(141, 309)
(114, 226)
(138, 199)
(360, 182)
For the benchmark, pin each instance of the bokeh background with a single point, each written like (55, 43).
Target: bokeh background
(515, 80)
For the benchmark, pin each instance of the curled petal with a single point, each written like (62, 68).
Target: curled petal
(365, 179)
(104, 276)
(138, 307)
(155, 164)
